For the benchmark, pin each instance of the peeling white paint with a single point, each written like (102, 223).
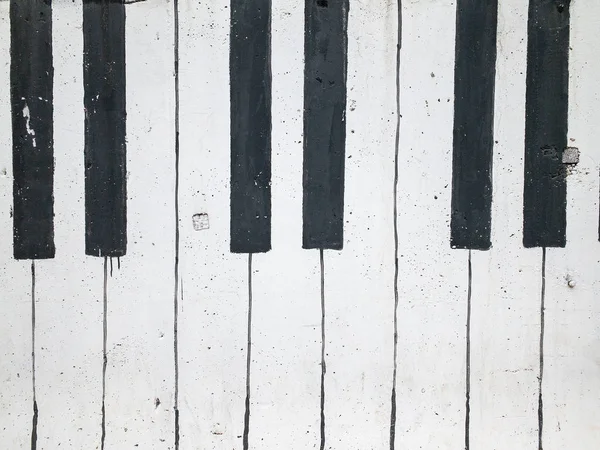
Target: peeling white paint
(30, 131)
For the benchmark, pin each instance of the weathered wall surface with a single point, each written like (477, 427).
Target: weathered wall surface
(212, 289)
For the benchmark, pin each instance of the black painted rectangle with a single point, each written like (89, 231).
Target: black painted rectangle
(473, 144)
(546, 124)
(105, 131)
(325, 72)
(250, 96)
(31, 89)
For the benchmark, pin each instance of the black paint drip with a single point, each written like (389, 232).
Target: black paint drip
(395, 222)
(176, 265)
(542, 330)
(468, 360)
(323, 366)
(248, 357)
(104, 348)
(35, 406)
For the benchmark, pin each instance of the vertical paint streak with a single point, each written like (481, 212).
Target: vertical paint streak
(34, 427)
(105, 127)
(325, 71)
(35, 407)
(395, 222)
(473, 143)
(31, 93)
(248, 357)
(176, 268)
(323, 366)
(542, 327)
(250, 93)
(104, 342)
(546, 124)
(468, 359)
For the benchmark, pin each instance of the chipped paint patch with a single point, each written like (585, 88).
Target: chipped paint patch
(570, 155)
(30, 131)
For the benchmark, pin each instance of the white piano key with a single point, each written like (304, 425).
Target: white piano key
(571, 373)
(359, 295)
(140, 374)
(69, 287)
(432, 276)
(214, 285)
(507, 279)
(286, 371)
(16, 389)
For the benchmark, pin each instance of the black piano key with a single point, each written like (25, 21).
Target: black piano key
(474, 82)
(545, 193)
(326, 61)
(31, 84)
(105, 132)
(250, 95)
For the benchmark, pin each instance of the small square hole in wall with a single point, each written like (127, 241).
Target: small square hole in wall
(200, 221)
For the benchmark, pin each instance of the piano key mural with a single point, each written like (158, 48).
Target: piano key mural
(323, 224)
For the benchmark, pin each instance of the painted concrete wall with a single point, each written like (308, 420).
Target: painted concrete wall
(212, 309)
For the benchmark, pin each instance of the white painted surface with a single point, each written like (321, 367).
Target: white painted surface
(507, 279)
(15, 279)
(285, 379)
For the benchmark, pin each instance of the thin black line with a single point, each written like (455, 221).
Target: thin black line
(104, 340)
(35, 408)
(323, 367)
(248, 355)
(468, 360)
(396, 153)
(542, 325)
(175, 298)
